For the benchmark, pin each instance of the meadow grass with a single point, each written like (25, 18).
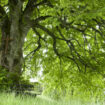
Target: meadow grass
(11, 99)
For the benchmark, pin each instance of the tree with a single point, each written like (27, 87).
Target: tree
(70, 30)
(16, 21)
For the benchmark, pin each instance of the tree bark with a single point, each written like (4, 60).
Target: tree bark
(11, 54)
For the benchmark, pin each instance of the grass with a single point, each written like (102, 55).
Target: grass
(10, 99)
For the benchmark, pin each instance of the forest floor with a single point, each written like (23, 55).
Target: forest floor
(11, 99)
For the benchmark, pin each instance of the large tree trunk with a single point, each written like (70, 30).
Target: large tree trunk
(11, 55)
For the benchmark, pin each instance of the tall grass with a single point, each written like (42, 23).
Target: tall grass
(11, 99)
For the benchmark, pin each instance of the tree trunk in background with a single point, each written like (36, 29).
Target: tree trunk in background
(11, 55)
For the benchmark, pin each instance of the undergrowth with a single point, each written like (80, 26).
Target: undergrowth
(11, 99)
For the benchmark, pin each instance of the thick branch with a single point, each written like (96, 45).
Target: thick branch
(41, 18)
(29, 8)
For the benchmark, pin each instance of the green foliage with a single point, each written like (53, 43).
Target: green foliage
(3, 73)
(3, 2)
(67, 43)
(79, 22)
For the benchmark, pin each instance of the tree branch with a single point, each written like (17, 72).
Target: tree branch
(39, 45)
(46, 2)
(41, 18)
(54, 43)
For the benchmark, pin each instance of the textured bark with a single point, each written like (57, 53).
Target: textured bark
(14, 29)
(11, 55)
